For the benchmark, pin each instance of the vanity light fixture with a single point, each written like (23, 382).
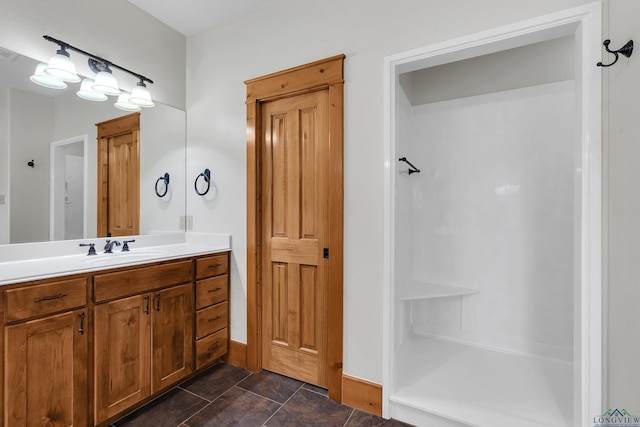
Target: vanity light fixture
(61, 70)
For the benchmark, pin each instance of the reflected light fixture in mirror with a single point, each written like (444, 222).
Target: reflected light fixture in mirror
(124, 104)
(61, 69)
(43, 79)
(86, 91)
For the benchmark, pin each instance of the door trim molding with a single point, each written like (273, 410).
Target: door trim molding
(318, 75)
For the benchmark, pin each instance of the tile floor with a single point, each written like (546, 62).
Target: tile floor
(225, 396)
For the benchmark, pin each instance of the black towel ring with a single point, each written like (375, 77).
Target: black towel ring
(164, 178)
(207, 178)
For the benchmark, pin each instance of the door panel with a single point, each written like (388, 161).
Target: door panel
(295, 173)
(46, 372)
(172, 331)
(119, 176)
(122, 354)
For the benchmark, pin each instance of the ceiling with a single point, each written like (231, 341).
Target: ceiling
(193, 16)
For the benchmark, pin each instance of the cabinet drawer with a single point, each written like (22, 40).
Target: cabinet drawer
(211, 291)
(211, 319)
(212, 266)
(48, 298)
(210, 348)
(130, 282)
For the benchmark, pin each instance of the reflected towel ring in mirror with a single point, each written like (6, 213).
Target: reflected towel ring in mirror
(207, 178)
(164, 178)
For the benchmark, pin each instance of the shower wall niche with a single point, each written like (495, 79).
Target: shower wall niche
(487, 238)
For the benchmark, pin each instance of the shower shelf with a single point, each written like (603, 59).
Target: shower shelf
(414, 290)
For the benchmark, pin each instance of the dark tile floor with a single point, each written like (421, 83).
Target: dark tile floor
(225, 396)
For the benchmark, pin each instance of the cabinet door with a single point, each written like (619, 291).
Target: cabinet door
(46, 372)
(172, 331)
(122, 354)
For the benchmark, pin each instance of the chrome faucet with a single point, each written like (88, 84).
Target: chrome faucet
(109, 246)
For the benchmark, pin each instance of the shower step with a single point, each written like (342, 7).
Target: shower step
(436, 411)
(415, 289)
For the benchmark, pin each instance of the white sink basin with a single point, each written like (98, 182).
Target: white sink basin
(120, 257)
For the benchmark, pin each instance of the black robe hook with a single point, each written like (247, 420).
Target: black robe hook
(626, 50)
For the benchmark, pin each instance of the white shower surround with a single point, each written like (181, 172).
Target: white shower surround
(585, 24)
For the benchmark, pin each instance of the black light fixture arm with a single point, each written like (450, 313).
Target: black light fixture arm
(96, 59)
(625, 50)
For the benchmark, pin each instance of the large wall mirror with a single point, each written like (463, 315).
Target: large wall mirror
(50, 140)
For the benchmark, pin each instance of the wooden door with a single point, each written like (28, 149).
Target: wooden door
(295, 223)
(172, 332)
(122, 354)
(50, 389)
(294, 190)
(119, 176)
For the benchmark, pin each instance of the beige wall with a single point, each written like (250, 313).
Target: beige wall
(621, 127)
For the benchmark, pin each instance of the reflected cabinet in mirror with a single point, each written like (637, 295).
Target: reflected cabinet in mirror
(49, 164)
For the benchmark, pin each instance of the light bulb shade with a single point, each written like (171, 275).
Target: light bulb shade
(86, 91)
(106, 83)
(124, 104)
(62, 67)
(43, 79)
(140, 96)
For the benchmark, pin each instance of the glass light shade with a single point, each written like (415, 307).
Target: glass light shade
(106, 83)
(86, 91)
(124, 104)
(62, 67)
(43, 79)
(140, 96)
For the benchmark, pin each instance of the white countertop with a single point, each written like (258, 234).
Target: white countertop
(32, 261)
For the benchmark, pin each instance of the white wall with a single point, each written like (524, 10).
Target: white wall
(287, 33)
(29, 187)
(4, 165)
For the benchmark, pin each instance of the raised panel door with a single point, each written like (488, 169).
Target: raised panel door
(46, 372)
(122, 354)
(172, 332)
(294, 189)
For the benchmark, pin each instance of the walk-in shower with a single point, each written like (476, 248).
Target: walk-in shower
(489, 245)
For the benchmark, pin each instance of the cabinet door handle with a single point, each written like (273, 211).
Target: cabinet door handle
(214, 290)
(146, 306)
(215, 265)
(81, 330)
(215, 318)
(49, 298)
(158, 301)
(214, 347)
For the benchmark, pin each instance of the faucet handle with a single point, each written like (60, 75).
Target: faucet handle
(92, 249)
(125, 245)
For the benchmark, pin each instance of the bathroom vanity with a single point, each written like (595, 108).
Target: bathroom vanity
(83, 348)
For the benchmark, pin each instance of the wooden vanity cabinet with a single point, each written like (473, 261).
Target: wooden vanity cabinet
(45, 358)
(143, 342)
(83, 350)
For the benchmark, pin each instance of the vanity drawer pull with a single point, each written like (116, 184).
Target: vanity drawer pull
(215, 266)
(214, 347)
(49, 298)
(215, 318)
(214, 290)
